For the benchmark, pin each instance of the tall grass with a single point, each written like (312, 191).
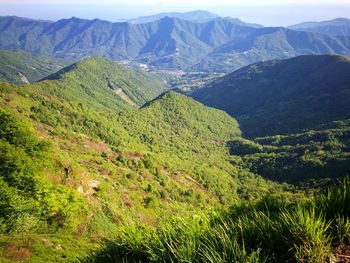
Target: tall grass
(335, 201)
(306, 235)
(271, 230)
(224, 244)
(342, 229)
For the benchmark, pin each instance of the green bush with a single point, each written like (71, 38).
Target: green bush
(26, 197)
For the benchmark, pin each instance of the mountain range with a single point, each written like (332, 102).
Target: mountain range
(168, 43)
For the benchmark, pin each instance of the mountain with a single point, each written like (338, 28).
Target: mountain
(99, 164)
(269, 43)
(241, 23)
(18, 67)
(109, 80)
(283, 96)
(198, 16)
(335, 27)
(80, 157)
(221, 44)
(194, 16)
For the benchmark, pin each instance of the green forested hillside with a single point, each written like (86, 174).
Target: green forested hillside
(296, 111)
(97, 166)
(307, 156)
(79, 161)
(103, 81)
(283, 96)
(18, 67)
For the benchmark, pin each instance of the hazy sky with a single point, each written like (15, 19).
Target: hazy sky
(266, 12)
(174, 2)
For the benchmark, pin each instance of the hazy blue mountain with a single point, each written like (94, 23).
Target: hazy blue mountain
(270, 43)
(198, 16)
(195, 16)
(283, 96)
(241, 23)
(221, 44)
(335, 27)
(168, 42)
(17, 29)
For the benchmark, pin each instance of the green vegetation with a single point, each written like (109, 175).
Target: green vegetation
(97, 78)
(97, 165)
(298, 157)
(189, 81)
(296, 114)
(28, 199)
(110, 163)
(284, 96)
(18, 67)
(274, 229)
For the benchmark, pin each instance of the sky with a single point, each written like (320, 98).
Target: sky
(266, 12)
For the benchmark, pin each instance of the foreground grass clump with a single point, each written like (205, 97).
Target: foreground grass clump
(270, 230)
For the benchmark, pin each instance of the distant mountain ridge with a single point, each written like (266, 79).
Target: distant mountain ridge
(270, 43)
(336, 22)
(194, 16)
(335, 27)
(221, 44)
(198, 16)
